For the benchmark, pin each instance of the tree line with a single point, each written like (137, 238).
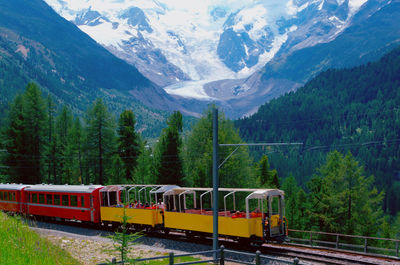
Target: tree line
(42, 145)
(354, 110)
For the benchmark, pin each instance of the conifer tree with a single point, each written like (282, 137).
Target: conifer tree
(100, 139)
(128, 143)
(34, 112)
(145, 167)
(169, 167)
(267, 178)
(15, 138)
(343, 200)
(50, 140)
(76, 144)
(236, 171)
(64, 151)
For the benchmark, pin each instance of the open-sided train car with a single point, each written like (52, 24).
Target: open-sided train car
(143, 204)
(73, 202)
(262, 218)
(168, 207)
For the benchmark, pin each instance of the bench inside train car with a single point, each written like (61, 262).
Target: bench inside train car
(246, 212)
(142, 204)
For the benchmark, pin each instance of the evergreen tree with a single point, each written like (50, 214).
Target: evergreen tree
(145, 167)
(15, 138)
(169, 162)
(295, 203)
(128, 143)
(100, 139)
(76, 144)
(25, 132)
(34, 112)
(51, 148)
(117, 171)
(235, 172)
(267, 178)
(343, 200)
(64, 151)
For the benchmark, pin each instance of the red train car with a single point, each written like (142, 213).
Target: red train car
(74, 202)
(12, 197)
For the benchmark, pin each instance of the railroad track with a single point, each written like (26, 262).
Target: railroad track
(306, 255)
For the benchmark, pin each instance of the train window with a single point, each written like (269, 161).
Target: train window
(13, 196)
(57, 199)
(74, 200)
(34, 198)
(1, 195)
(65, 200)
(6, 196)
(83, 201)
(41, 198)
(275, 205)
(49, 199)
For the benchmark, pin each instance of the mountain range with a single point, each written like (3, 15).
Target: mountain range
(36, 44)
(238, 54)
(156, 56)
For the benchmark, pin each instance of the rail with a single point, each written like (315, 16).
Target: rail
(254, 259)
(353, 243)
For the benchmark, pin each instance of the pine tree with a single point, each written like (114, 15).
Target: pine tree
(34, 112)
(145, 167)
(169, 167)
(128, 143)
(50, 141)
(100, 139)
(76, 144)
(25, 136)
(15, 142)
(343, 200)
(235, 172)
(64, 152)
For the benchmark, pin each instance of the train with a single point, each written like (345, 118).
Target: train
(252, 216)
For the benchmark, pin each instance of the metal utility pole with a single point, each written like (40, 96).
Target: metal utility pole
(216, 177)
(215, 182)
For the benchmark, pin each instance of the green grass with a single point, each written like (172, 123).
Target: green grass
(21, 245)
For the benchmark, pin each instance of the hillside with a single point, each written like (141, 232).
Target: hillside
(374, 31)
(354, 110)
(37, 44)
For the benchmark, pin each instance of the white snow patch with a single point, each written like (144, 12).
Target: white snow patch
(255, 16)
(292, 9)
(321, 5)
(354, 5)
(189, 89)
(106, 35)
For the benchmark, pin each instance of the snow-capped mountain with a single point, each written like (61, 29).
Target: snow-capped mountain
(182, 45)
(172, 40)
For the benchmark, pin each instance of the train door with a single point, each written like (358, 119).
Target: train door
(275, 213)
(91, 208)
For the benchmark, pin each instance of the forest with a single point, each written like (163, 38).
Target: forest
(340, 180)
(352, 110)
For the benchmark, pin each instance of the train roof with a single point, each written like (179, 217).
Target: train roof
(64, 188)
(255, 193)
(13, 186)
(154, 188)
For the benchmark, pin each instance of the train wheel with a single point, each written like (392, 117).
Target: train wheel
(166, 231)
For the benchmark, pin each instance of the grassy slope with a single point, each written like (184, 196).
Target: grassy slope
(20, 245)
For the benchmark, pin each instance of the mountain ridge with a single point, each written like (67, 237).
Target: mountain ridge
(45, 48)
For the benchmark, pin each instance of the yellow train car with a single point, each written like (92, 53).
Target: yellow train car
(135, 201)
(262, 218)
(258, 217)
